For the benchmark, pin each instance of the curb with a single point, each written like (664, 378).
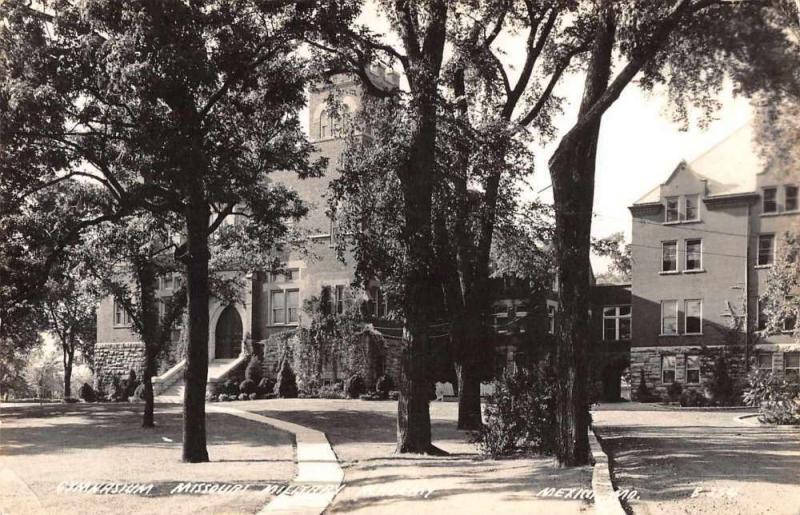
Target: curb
(319, 477)
(606, 501)
(751, 420)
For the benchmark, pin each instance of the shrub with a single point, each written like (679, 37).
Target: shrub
(248, 386)
(231, 388)
(693, 399)
(383, 385)
(520, 414)
(724, 390)
(674, 391)
(70, 400)
(139, 392)
(394, 395)
(371, 396)
(331, 391)
(243, 397)
(130, 384)
(286, 385)
(223, 397)
(210, 397)
(266, 386)
(253, 396)
(255, 370)
(354, 386)
(778, 401)
(118, 393)
(643, 393)
(87, 393)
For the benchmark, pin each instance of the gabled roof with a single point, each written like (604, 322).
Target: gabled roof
(730, 167)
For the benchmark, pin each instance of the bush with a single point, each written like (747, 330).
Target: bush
(394, 395)
(724, 390)
(266, 386)
(253, 396)
(118, 393)
(354, 386)
(139, 392)
(384, 385)
(674, 391)
(371, 396)
(643, 393)
(778, 401)
(248, 386)
(210, 397)
(286, 385)
(70, 400)
(331, 391)
(693, 399)
(130, 384)
(255, 370)
(243, 397)
(223, 397)
(520, 414)
(87, 393)
(231, 388)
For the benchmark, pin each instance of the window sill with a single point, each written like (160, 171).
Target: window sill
(695, 271)
(692, 334)
(669, 272)
(780, 213)
(126, 326)
(760, 267)
(669, 334)
(293, 324)
(679, 222)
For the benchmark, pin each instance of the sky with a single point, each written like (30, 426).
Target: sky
(639, 145)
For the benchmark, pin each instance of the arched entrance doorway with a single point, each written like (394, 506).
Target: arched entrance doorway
(228, 335)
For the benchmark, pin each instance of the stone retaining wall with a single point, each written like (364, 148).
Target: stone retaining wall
(117, 359)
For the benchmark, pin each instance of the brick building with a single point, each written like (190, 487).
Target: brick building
(702, 245)
(270, 303)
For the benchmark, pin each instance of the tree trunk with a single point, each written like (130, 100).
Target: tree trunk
(469, 397)
(69, 354)
(146, 273)
(196, 373)
(572, 171)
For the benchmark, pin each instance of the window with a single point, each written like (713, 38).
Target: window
(162, 309)
(694, 254)
(770, 204)
(766, 249)
(277, 301)
(790, 203)
(693, 369)
(791, 366)
(325, 125)
(339, 299)
(617, 323)
(291, 274)
(292, 305)
(669, 317)
(694, 317)
(551, 319)
(169, 282)
(667, 369)
(692, 211)
(121, 316)
(790, 319)
(764, 361)
(669, 256)
(672, 213)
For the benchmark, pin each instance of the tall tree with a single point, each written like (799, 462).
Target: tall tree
(171, 107)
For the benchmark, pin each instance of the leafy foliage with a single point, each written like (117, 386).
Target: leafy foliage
(286, 383)
(780, 303)
(778, 401)
(520, 414)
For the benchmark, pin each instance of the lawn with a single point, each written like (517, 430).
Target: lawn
(55, 444)
(363, 435)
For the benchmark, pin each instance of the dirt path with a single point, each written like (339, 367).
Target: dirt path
(701, 462)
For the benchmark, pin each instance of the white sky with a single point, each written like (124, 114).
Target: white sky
(639, 145)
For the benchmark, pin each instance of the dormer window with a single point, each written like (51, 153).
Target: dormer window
(770, 200)
(692, 211)
(672, 213)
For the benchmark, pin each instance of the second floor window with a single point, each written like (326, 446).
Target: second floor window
(692, 211)
(790, 320)
(617, 323)
(669, 256)
(669, 317)
(766, 249)
(694, 254)
(770, 201)
(673, 212)
(694, 317)
(285, 305)
(791, 203)
(121, 316)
